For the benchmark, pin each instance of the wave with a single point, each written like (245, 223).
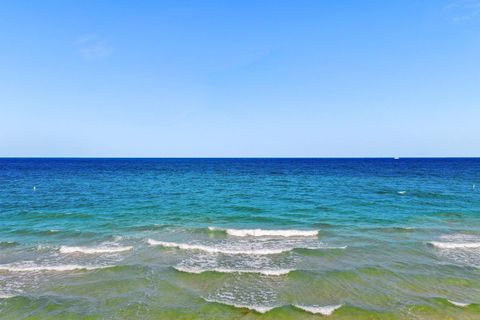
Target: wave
(459, 304)
(210, 249)
(257, 308)
(323, 310)
(19, 268)
(34, 232)
(324, 248)
(455, 245)
(264, 233)
(266, 272)
(394, 229)
(94, 250)
(6, 244)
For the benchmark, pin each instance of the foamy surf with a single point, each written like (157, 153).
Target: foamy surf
(59, 268)
(210, 249)
(256, 308)
(266, 233)
(459, 304)
(455, 245)
(94, 250)
(323, 310)
(266, 272)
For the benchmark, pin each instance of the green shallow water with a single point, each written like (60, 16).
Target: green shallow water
(130, 238)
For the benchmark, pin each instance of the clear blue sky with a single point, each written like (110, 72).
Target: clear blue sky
(240, 78)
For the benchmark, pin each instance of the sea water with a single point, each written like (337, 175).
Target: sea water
(239, 238)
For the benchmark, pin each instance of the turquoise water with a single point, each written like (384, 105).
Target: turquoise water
(239, 238)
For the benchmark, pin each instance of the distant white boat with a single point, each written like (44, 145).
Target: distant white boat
(396, 158)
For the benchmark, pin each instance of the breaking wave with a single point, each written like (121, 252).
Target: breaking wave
(323, 310)
(267, 233)
(455, 245)
(94, 250)
(266, 272)
(459, 304)
(212, 249)
(257, 308)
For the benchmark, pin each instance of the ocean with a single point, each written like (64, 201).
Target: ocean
(240, 238)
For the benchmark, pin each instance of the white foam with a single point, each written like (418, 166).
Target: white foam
(324, 310)
(6, 296)
(402, 192)
(210, 249)
(459, 304)
(455, 245)
(29, 268)
(267, 233)
(267, 272)
(94, 250)
(257, 308)
(42, 247)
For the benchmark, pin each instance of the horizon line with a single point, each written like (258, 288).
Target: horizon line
(240, 157)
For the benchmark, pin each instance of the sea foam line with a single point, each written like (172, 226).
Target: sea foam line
(93, 250)
(266, 233)
(60, 268)
(267, 272)
(185, 246)
(324, 310)
(455, 245)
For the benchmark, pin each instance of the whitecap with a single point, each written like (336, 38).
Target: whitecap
(266, 272)
(459, 304)
(94, 250)
(402, 192)
(212, 249)
(324, 310)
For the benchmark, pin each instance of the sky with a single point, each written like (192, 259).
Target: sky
(240, 78)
